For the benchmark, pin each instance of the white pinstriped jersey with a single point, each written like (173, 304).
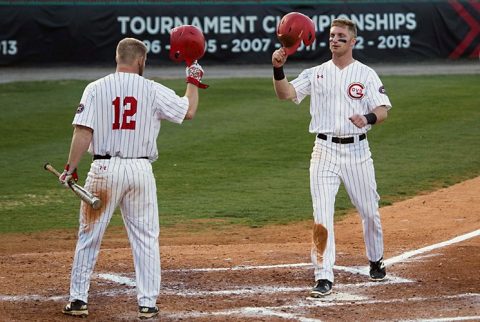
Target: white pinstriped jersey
(125, 112)
(338, 94)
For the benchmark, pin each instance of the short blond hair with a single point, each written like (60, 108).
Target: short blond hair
(129, 49)
(343, 22)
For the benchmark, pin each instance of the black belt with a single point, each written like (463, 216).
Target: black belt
(108, 157)
(342, 140)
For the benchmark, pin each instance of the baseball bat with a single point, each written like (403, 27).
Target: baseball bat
(80, 191)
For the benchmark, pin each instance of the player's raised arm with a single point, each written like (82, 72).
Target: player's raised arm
(194, 74)
(192, 94)
(283, 88)
(187, 43)
(294, 28)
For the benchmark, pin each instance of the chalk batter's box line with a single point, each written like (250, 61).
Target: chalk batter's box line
(363, 270)
(281, 311)
(130, 282)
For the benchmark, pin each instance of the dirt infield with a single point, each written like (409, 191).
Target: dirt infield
(263, 274)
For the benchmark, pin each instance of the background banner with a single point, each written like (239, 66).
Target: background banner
(240, 34)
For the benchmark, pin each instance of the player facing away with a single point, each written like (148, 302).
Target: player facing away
(118, 122)
(346, 99)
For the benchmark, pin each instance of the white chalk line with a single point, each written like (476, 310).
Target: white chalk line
(404, 256)
(363, 270)
(356, 270)
(117, 279)
(337, 296)
(279, 311)
(460, 318)
(266, 311)
(61, 298)
(244, 290)
(247, 289)
(254, 312)
(29, 298)
(273, 311)
(238, 268)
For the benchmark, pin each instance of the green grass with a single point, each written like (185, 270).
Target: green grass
(244, 158)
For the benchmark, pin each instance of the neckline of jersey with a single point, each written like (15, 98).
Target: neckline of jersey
(344, 68)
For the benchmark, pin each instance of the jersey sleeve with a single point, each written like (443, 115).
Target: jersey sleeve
(85, 111)
(302, 85)
(170, 106)
(377, 94)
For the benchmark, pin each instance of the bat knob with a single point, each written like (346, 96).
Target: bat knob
(96, 204)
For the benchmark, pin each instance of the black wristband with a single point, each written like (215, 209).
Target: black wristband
(278, 73)
(371, 118)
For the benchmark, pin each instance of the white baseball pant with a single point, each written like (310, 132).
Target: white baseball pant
(330, 164)
(130, 184)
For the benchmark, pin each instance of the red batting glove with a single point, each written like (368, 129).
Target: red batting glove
(194, 75)
(68, 176)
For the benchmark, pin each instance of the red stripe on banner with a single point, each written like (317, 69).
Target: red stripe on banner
(475, 4)
(476, 52)
(474, 25)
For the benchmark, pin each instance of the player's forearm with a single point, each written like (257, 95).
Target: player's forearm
(376, 116)
(381, 112)
(82, 136)
(192, 94)
(284, 89)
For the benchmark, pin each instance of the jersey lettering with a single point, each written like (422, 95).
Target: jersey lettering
(129, 110)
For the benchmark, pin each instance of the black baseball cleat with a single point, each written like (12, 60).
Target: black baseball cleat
(76, 308)
(377, 270)
(321, 288)
(145, 312)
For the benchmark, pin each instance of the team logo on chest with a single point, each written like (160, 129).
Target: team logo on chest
(355, 91)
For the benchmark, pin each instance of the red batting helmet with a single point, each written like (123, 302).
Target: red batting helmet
(186, 44)
(293, 28)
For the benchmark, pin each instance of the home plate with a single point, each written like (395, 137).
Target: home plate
(337, 296)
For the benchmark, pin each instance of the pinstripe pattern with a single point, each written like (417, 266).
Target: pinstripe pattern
(330, 104)
(124, 180)
(155, 102)
(333, 100)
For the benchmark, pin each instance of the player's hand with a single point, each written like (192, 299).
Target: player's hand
(194, 74)
(279, 57)
(68, 175)
(358, 120)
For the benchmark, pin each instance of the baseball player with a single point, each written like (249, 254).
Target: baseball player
(346, 99)
(118, 121)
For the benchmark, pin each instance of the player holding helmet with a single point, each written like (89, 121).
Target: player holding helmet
(346, 99)
(118, 121)
(294, 28)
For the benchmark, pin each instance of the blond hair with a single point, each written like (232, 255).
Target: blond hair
(129, 49)
(343, 22)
